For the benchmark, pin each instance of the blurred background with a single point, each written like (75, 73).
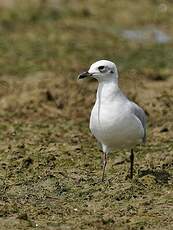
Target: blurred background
(50, 163)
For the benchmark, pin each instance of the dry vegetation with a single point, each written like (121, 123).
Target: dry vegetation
(50, 165)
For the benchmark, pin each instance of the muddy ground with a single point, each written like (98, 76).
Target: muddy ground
(50, 175)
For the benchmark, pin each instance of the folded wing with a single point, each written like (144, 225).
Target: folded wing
(140, 114)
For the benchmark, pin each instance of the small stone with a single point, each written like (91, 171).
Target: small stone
(164, 129)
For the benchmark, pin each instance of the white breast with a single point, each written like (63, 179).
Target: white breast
(114, 125)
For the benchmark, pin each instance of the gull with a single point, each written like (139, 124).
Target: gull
(116, 122)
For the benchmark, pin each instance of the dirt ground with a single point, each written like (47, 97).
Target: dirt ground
(50, 175)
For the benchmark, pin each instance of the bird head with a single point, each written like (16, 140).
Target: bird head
(102, 70)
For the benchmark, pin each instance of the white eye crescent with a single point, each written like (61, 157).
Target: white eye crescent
(101, 68)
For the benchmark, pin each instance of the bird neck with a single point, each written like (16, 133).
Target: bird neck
(107, 90)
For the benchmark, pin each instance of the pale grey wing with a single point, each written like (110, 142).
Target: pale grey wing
(140, 114)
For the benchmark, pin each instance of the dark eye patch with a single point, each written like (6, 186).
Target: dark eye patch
(101, 67)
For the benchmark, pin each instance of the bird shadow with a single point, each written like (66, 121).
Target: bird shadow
(161, 176)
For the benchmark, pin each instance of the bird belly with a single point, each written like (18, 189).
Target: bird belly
(116, 130)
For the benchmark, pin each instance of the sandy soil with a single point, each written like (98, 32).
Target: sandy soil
(50, 164)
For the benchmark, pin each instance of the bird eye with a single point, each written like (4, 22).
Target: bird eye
(101, 67)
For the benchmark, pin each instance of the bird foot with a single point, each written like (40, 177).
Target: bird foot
(129, 176)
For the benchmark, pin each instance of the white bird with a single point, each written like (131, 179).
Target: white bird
(116, 122)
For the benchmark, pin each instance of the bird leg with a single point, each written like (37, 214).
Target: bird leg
(131, 164)
(102, 158)
(104, 165)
